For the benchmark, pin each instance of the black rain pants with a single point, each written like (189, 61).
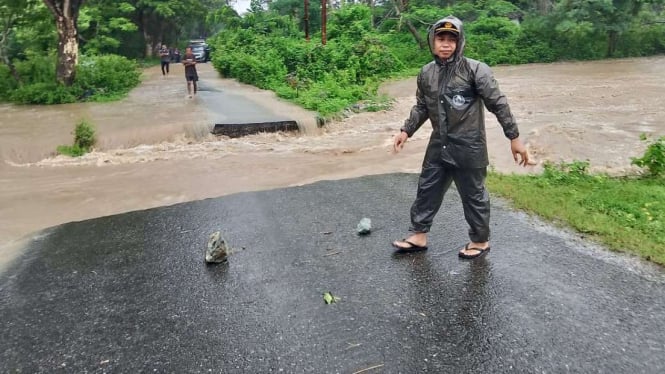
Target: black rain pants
(435, 179)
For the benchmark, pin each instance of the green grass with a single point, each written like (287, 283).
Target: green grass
(101, 98)
(626, 214)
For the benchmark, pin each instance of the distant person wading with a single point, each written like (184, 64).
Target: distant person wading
(189, 61)
(165, 58)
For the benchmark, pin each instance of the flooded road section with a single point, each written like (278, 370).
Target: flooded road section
(154, 148)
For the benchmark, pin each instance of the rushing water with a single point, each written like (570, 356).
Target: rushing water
(154, 148)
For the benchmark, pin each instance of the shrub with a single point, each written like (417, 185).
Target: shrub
(108, 75)
(326, 78)
(492, 40)
(84, 140)
(566, 172)
(97, 78)
(38, 85)
(70, 150)
(44, 93)
(84, 135)
(352, 20)
(375, 58)
(36, 68)
(653, 158)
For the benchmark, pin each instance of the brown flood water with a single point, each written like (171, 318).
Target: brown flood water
(153, 149)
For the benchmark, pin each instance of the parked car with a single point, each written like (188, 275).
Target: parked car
(200, 49)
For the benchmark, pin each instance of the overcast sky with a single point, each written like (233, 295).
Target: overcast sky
(241, 6)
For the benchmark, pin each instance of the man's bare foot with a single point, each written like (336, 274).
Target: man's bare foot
(474, 249)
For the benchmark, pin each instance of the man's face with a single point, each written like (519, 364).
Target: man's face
(445, 45)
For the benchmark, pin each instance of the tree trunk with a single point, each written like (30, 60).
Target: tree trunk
(324, 21)
(149, 48)
(306, 19)
(4, 55)
(12, 68)
(400, 6)
(68, 50)
(612, 40)
(544, 6)
(370, 4)
(416, 35)
(66, 14)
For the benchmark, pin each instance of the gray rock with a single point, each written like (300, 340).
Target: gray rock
(217, 251)
(365, 226)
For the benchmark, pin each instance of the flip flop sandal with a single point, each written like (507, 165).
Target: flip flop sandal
(481, 252)
(412, 247)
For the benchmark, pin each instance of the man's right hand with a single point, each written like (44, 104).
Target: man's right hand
(399, 141)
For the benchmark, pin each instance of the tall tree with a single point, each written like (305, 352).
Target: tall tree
(66, 14)
(102, 25)
(12, 15)
(163, 20)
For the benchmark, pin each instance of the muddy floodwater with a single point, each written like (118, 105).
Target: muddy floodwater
(154, 148)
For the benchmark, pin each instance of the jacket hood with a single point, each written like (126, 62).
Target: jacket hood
(459, 52)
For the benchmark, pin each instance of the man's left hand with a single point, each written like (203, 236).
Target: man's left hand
(518, 148)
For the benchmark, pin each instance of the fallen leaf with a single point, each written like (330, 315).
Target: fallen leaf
(329, 298)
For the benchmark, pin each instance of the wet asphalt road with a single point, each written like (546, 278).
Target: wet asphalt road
(131, 293)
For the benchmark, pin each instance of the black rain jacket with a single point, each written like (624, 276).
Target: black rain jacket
(451, 94)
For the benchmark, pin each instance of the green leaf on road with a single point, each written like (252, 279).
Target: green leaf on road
(329, 298)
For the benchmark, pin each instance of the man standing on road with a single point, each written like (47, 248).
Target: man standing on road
(165, 58)
(189, 61)
(451, 91)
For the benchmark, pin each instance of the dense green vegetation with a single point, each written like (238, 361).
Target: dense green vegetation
(627, 214)
(368, 42)
(56, 51)
(98, 78)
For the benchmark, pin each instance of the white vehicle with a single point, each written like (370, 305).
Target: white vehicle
(200, 49)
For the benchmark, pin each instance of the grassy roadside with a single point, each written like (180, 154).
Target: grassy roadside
(626, 214)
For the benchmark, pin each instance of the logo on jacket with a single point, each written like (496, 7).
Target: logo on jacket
(458, 101)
